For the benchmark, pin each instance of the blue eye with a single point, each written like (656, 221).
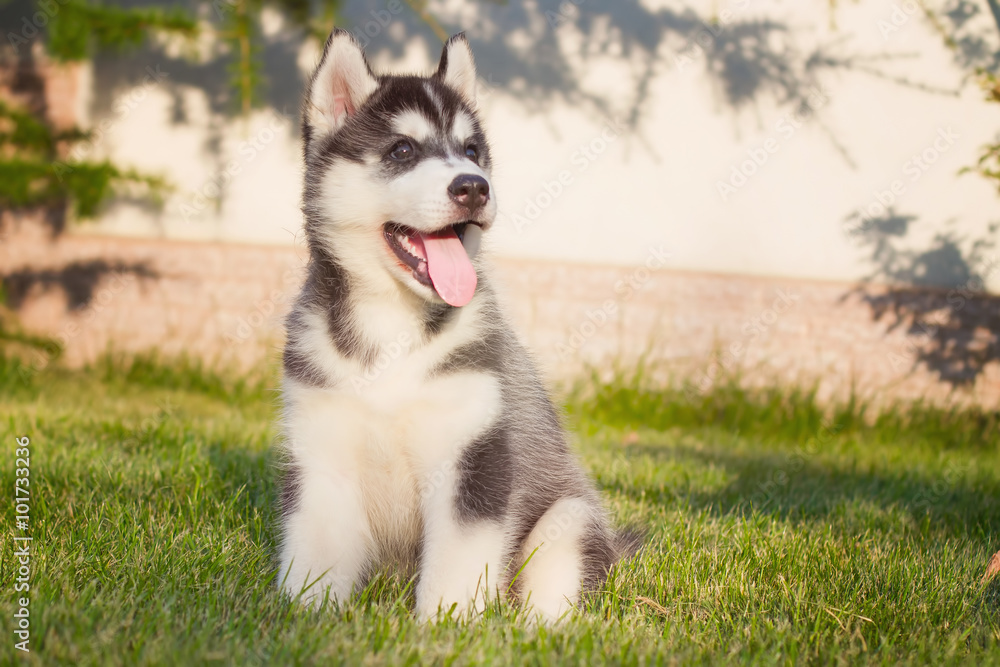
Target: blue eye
(472, 153)
(402, 151)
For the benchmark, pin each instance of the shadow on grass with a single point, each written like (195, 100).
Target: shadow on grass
(252, 475)
(991, 596)
(251, 480)
(791, 487)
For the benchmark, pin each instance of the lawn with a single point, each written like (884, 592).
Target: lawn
(779, 532)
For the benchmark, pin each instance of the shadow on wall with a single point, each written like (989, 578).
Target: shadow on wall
(936, 292)
(541, 53)
(953, 328)
(79, 280)
(970, 39)
(534, 52)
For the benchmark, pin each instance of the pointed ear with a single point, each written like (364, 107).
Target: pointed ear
(457, 68)
(340, 85)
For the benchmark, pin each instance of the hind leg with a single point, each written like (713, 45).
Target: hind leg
(551, 581)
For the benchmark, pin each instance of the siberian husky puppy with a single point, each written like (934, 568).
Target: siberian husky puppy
(417, 433)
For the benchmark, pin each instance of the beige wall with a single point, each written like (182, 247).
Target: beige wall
(753, 142)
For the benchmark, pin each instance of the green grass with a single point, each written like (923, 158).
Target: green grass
(779, 532)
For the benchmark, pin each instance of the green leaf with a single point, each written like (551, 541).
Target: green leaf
(79, 28)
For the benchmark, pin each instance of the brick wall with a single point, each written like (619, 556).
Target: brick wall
(225, 304)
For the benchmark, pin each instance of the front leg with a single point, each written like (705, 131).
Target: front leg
(461, 563)
(326, 537)
(326, 541)
(466, 479)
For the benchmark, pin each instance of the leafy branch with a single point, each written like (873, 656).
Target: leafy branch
(988, 164)
(78, 28)
(31, 175)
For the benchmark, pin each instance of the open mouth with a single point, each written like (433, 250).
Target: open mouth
(440, 259)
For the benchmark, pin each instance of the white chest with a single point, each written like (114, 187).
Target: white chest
(396, 436)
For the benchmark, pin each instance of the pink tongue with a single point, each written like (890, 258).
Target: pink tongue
(449, 267)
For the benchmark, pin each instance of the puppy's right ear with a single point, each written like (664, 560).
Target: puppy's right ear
(340, 85)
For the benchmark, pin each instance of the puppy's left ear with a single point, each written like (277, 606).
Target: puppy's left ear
(457, 68)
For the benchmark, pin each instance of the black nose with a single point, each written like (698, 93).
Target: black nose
(470, 191)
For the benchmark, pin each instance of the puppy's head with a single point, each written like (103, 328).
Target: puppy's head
(398, 170)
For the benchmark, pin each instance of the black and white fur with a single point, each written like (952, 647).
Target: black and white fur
(417, 434)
